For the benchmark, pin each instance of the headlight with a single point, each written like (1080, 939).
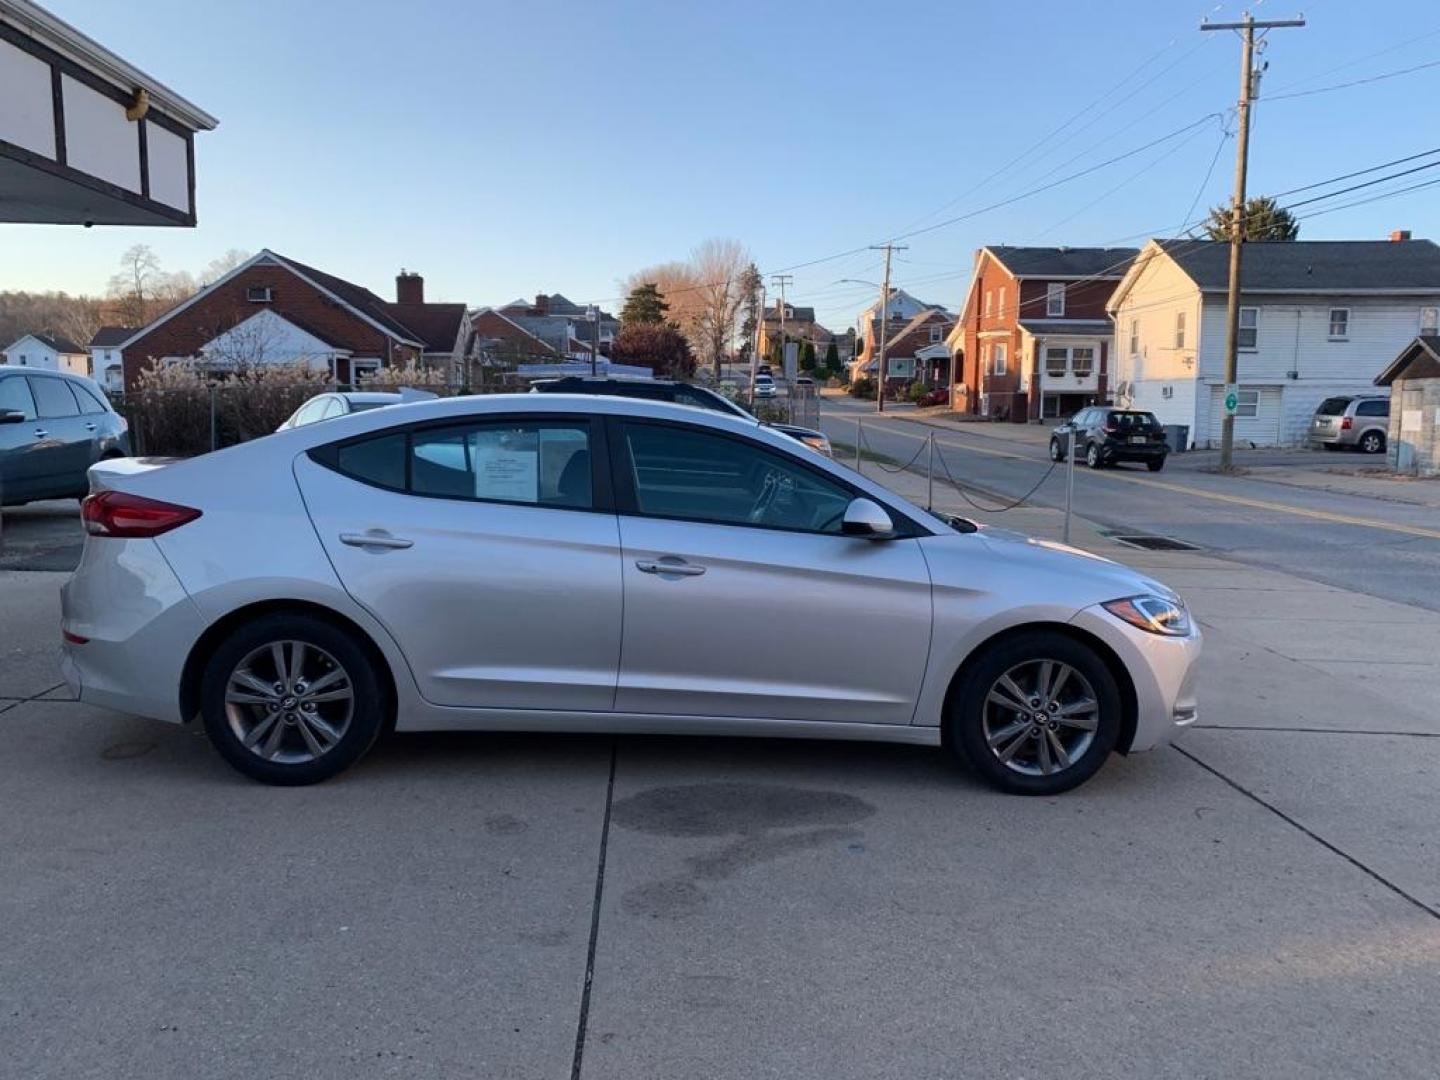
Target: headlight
(1155, 614)
(818, 442)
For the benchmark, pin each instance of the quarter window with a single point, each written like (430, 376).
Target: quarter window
(1249, 332)
(1055, 299)
(1339, 323)
(699, 476)
(378, 461)
(90, 402)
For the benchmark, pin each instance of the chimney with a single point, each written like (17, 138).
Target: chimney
(409, 288)
(1399, 235)
(542, 304)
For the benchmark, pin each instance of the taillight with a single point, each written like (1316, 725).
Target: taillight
(1346, 424)
(114, 513)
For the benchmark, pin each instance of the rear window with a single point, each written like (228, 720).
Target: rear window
(1333, 406)
(1134, 421)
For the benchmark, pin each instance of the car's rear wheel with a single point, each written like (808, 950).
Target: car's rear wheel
(1036, 714)
(1372, 442)
(1055, 452)
(1092, 456)
(291, 699)
(1155, 464)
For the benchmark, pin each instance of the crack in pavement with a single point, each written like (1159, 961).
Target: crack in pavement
(6, 704)
(580, 1029)
(1311, 833)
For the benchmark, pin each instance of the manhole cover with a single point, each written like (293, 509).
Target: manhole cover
(1153, 543)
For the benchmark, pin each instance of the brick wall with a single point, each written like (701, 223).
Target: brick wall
(225, 306)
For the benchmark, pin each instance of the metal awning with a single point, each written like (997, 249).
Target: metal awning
(85, 137)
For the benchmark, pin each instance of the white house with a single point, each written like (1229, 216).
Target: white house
(106, 365)
(48, 351)
(1317, 318)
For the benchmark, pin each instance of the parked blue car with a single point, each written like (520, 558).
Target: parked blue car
(53, 427)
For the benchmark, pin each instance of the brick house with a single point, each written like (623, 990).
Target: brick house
(902, 310)
(274, 310)
(916, 351)
(1034, 339)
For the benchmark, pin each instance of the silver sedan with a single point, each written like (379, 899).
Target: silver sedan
(559, 563)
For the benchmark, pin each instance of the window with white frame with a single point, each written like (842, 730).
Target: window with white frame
(1057, 362)
(1082, 361)
(1248, 403)
(1249, 333)
(935, 334)
(1001, 312)
(1339, 323)
(1179, 330)
(1055, 300)
(1430, 321)
(1134, 337)
(988, 297)
(997, 358)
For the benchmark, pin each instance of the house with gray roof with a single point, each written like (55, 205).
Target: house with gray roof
(1318, 318)
(48, 351)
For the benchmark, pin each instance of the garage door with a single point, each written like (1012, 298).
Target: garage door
(1257, 420)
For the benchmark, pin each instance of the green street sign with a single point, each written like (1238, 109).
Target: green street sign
(1232, 400)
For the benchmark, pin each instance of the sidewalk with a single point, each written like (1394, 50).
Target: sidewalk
(1264, 628)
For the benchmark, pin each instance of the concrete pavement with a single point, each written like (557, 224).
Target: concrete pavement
(1262, 901)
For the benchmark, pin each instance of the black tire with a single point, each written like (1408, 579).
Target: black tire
(1372, 442)
(1330, 446)
(1155, 464)
(965, 724)
(369, 708)
(1092, 456)
(1055, 452)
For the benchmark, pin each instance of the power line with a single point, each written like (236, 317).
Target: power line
(1353, 82)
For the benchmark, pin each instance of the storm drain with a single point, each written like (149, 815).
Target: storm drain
(1153, 543)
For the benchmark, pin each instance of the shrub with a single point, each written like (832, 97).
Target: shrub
(917, 393)
(863, 387)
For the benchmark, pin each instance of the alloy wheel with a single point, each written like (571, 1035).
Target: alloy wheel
(289, 702)
(1040, 717)
(1370, 443)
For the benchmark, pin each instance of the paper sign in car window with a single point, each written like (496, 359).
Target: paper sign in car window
(507, 466)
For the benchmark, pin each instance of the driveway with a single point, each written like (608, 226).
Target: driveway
(41, 536)
(1255, 903)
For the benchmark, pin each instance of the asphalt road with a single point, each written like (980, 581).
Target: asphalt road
(1382, 547)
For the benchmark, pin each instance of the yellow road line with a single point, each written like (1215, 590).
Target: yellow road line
(1238, 500)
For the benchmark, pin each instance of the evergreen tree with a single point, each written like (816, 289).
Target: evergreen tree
(645, 304)
(807, 356)
(832, 357)
(750, 283)
(1261, 219)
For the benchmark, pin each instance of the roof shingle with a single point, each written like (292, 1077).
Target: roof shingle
(1305, 265)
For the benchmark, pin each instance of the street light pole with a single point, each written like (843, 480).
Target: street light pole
(1248, 79)
(592, 314)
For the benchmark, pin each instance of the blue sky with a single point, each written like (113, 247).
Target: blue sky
(503, 149)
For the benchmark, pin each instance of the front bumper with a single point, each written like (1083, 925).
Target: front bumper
(1162, 671)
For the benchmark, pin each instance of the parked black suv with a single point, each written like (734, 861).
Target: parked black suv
(679, 392)
(1105, 436)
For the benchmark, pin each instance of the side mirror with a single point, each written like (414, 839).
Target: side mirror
(11, 416)
(867, 519)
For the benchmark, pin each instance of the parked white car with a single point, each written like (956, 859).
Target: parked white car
(337, 403)
(764, 386)
(588, 563)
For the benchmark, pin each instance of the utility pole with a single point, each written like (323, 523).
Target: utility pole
(884, 321)
(782, 280)
(592, 314)
(1249, 80)
(759, 340)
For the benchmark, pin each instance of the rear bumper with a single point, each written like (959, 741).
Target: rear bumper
(1125, 452)
(1322, 438)
(139, 627)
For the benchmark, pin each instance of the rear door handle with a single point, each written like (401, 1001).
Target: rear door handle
(89, 427)
(41, 433)
(669, 564)
(375, 540)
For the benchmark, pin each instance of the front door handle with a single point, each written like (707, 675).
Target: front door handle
(41, 433)
(669, 564)
(375, 540)
(89, 427)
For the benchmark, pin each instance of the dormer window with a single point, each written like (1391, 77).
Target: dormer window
(934, 334)
(260, 294)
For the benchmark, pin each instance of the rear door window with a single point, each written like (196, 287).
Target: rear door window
(1373, 408)
(53, 400)
(542, 464)
(15, 396)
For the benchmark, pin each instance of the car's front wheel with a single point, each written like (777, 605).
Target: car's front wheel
(1055, 452)
(1036, 714)
(291, 699)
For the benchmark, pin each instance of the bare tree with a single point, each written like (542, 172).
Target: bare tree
(133, 285)
(215, 269)
(719, 268)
